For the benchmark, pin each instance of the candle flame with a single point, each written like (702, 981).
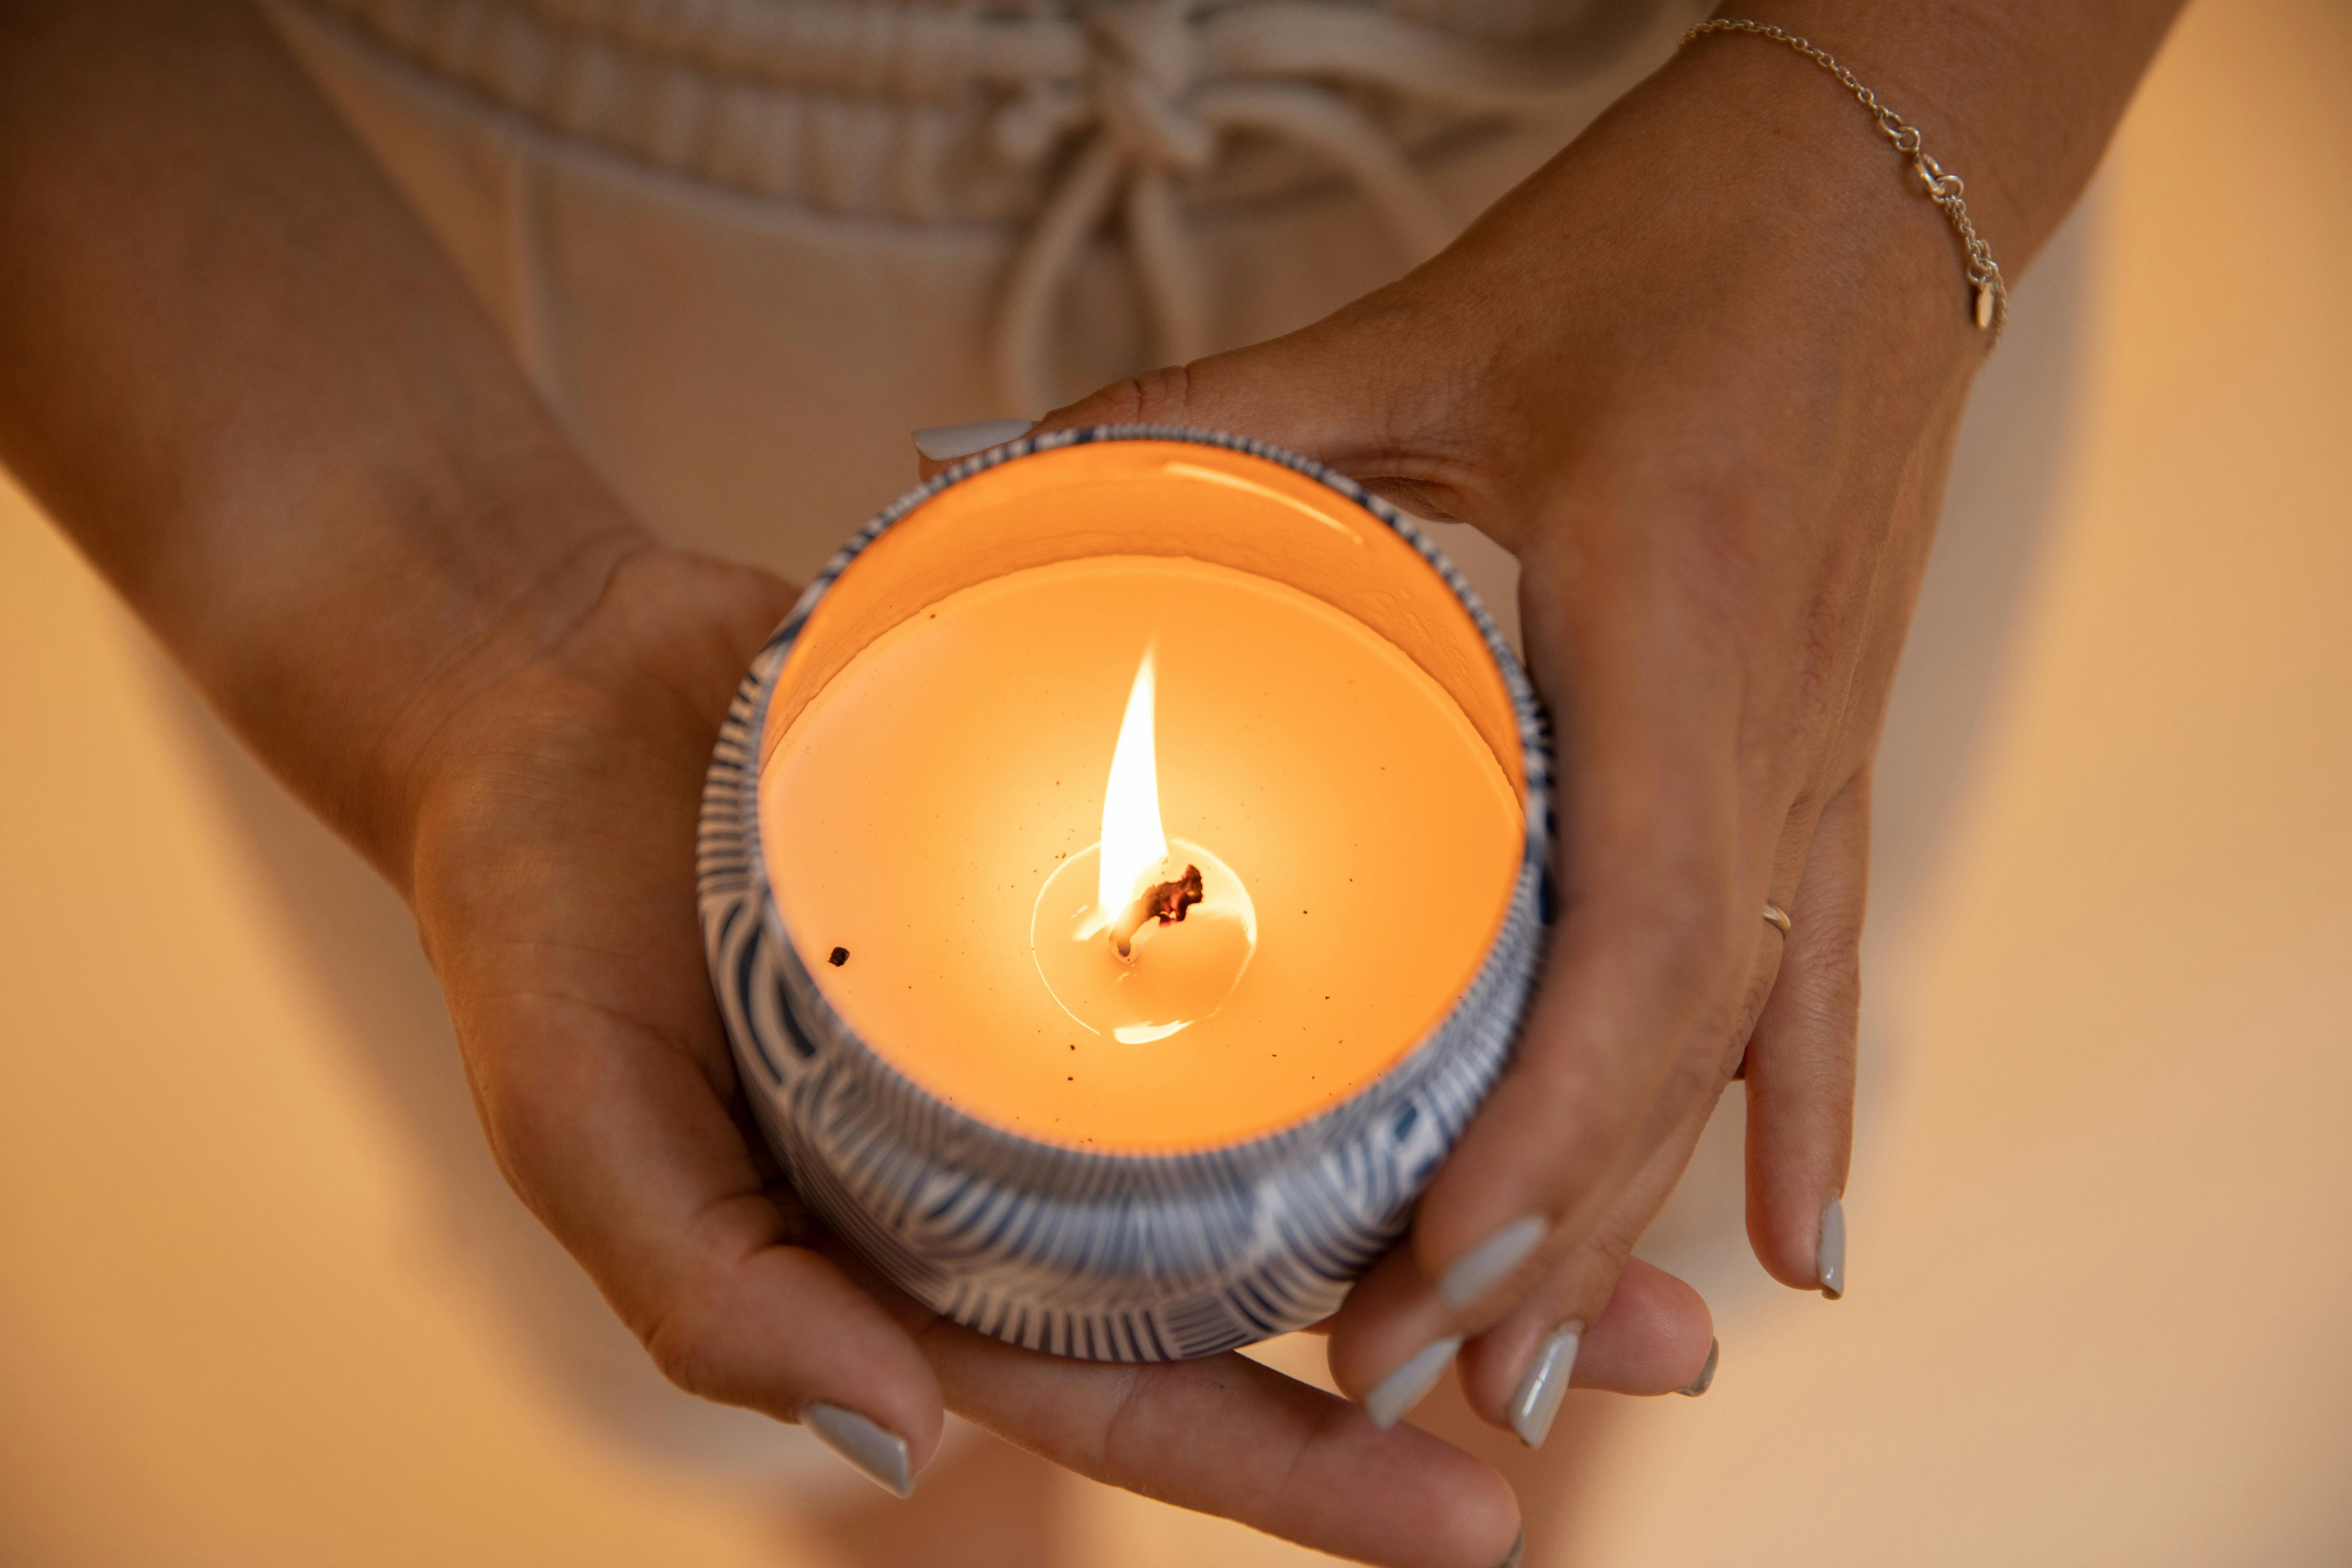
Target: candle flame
(1133, 843)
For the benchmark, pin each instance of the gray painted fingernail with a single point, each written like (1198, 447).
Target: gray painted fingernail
(1829, 1258)
(879, 1453)
(1519, 1551)
(1402, 1389)
(1537, 1401)
(1490, 1262)
(1705, 1378)
(941, 442)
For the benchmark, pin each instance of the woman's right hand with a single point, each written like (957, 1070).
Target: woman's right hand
(552, 859)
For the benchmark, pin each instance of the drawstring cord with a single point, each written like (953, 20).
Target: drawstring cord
(1163, 87)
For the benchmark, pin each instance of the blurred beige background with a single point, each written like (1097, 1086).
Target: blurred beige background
(2100, 1272)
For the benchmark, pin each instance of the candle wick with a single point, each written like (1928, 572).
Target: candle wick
(1163, 902)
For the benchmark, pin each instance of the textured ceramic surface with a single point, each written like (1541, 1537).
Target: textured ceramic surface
(1102, 1255)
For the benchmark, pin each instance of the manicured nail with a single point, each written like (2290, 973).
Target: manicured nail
(1537, 1402)
(1519, 1550)
(1705, 1378)
(879, 1455)
(941, 442)
(1490, 1262)
(1402, 1389)
(1829, 1258)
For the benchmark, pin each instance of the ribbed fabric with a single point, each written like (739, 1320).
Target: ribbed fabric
(1056, 120)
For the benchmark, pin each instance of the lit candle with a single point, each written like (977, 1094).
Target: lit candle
(972, 804)
(1142, 841)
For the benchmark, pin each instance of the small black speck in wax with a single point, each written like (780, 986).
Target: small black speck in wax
(837, 957)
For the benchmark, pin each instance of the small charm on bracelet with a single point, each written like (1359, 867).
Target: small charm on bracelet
(1947, 190)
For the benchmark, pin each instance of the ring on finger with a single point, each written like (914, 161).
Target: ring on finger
(1775, 915)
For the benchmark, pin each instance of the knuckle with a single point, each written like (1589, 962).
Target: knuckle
(1611, 1247)
(1753, 1000)
(521, 1126)
(1124, 1444)
(683, 1348)
(1161, 396)
(1810, 796)
(1164, 395)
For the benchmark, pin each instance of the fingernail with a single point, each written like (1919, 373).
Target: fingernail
(1402, 1389)
(879, 1453)
(1490, 1262)
(1829, 1258)
(1705, 1378)
(1537, 1402)
(941, 442)
(1519, 1550)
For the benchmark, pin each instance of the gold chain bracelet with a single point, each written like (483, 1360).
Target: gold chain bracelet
(1945, 190)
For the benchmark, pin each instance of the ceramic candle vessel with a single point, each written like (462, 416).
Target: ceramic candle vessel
(1109, 1255)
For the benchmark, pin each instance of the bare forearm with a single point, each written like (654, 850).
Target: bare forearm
(236, 370)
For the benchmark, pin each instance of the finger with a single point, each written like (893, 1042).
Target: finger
(1221, 395)
(596, 1054)
(1514, 1373)
(1568, 1277)
(1346, 399)
(1253, 391)
(1664, 859)
(1800, 1063)
(1227, 1436)
(620, 1146)
(939, 446)
(1655, 1336)
(1277, 391)
(1650, 1334)
(1393, 1313)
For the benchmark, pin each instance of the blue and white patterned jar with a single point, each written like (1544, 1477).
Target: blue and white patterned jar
(1105, 1256)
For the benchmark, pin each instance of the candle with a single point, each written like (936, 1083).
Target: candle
(1121, 880)
(1358, 839)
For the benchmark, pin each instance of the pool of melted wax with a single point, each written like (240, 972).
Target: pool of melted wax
(1179, 973)
(911, 813)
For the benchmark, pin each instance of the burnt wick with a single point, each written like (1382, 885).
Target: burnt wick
(1163, 902)
(837, 957)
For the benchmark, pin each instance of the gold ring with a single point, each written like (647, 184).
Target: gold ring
(1776, 915)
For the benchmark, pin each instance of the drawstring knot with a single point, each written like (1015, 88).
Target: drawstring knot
(1150, 119)
(1140, 62)
(1164, 82)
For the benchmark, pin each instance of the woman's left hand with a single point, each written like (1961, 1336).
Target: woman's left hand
(1710, 408)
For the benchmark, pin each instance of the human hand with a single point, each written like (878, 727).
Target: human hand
(1710, 406)
(552, 853)
(247, 381)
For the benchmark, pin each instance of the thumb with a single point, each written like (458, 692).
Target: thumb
(1302, 391)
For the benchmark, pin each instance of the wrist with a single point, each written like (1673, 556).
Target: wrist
(1729, 284)
(1730, 249)
(1814, 195)
(407, 592)
(1949, 67)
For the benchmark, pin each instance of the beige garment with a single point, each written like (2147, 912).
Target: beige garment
(745, 246)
